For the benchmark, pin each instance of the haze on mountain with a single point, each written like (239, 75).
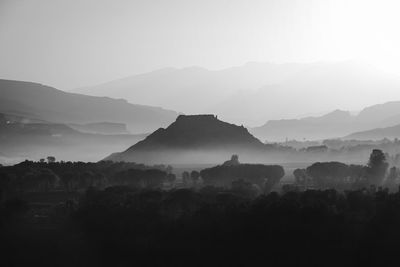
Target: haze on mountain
(74, 44)
(38, 101)
(392, 132)
(204, 139)
(192, 89)
(37, 121)
(193, 139)
(335, 124)
(23, 138)
(257, 92)
(331, 125)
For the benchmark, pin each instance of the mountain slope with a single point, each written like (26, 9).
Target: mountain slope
(49, 104)
(177, 88)
(382, 114)
(319, 86)
(191, 139)
(376, 134)
(335, 124)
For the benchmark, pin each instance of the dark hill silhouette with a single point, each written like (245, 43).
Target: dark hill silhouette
(191, 135)
(42, 102)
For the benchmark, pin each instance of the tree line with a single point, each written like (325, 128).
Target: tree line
(341, 176)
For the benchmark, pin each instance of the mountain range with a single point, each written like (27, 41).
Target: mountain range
(256, 92)
(40, 102)
(37, 121)
(333, 125)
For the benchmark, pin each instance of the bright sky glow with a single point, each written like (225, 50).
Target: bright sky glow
(70, 44)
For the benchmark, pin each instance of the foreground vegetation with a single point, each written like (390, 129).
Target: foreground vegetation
(124, 214)
(121, 226)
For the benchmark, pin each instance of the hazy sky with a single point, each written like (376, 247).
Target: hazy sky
(69, 44)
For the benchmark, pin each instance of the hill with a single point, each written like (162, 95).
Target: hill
(192, 139)
(376, 134)
(36, 101)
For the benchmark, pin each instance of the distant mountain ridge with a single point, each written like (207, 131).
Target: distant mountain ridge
(332, 125)
(42, 102)
(37, 121)
(167, 87)
(254, 93)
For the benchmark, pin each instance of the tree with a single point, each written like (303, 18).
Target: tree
(150, 178)
(195, 175)
(153, 178)
(392, 177)
(377, 167)
(51, 159)
(171, 177)
(358, 176)
(265, 176)
(301, 177)
(328, 174)
(244, 188)
(169, 169)
(185, 177)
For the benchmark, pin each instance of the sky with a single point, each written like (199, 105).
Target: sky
(70, 44)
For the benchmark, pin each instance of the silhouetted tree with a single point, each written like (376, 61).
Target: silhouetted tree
(328, 174)
(377, 167)
(51, 159)
(243, 188)
(265, 176)
(301, 178)
(358, 176)
(171, 177)
(185, 177)
(392, 177)
(195, 175)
